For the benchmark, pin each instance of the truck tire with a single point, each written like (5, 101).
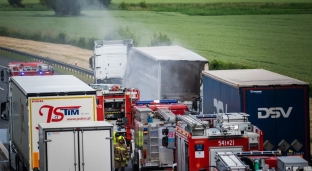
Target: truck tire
(10, 163)
(17, 162)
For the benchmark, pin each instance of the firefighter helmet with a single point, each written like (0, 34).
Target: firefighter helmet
(120, 138)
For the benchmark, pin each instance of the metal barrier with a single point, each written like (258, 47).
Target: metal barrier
(59, 64)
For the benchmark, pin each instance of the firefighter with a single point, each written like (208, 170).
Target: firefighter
(121, 154)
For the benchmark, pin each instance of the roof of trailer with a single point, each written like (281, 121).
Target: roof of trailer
(252, 77)
(169, 53)
(51, 84)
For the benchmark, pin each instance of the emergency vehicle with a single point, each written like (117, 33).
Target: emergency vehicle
(117, 103)
(151, 118)
(184, 142)
(22, 69)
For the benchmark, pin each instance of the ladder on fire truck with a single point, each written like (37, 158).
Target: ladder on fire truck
(192, 121)
(196, 126)
(229, 161)
(167, 115)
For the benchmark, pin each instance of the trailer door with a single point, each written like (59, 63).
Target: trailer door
(61, 150)
(95, 145)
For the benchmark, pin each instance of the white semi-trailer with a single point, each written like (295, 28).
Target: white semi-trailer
(37, 99)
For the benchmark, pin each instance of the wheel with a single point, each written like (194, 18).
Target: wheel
(10, 162)
(25, 168)
(17, 162)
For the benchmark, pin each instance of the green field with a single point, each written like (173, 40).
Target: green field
(208, 1)
(182, 1)
(280, 43)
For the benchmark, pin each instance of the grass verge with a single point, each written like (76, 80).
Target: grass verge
(57, 69)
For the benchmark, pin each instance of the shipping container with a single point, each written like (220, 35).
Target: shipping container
(277, 104)
(37, 99)
(79, 146)
(159, 72)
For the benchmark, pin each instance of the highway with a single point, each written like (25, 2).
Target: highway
(4, 124)
(4, 145)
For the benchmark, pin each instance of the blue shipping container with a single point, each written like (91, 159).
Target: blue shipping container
(277, 104)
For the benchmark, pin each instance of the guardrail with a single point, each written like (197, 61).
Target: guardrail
(62, 65)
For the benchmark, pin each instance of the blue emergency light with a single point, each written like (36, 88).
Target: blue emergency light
(206, 116)
(23, 73)
(145, 102)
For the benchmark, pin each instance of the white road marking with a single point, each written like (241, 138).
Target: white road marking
(2, 66)
(1, 88)
(5, 151)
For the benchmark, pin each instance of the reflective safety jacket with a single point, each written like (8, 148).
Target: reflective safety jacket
(121, 152)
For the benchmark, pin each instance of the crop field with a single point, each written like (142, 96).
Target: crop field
(280, 43)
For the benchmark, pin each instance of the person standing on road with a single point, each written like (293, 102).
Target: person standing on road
(121, 154)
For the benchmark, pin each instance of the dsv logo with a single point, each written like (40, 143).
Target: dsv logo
(274, 112)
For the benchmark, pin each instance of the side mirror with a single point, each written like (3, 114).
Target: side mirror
(97, 101)
(91, 62)
(3, 107)
(2, 75)
(4, 117)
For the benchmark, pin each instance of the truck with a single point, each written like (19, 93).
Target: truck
(109, 60)
(117, 103)
(227, 141)
(277, 104)
(76, 146)
(146, 121)
(22, 69)
(166, 72)
(37, 99)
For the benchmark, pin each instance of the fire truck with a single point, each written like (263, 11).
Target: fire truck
(22, 69)
(151, 118)
(184, 142)
(117, 103)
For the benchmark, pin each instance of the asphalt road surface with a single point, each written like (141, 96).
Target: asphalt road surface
(4, 144)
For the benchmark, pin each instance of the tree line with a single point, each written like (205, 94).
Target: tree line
(65, 7)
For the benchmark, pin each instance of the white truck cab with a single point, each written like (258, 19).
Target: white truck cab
(109, 60)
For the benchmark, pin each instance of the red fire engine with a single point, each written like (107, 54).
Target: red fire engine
(150, 118)
(29, 69)
(22, 69)
(117, 105)
(164, 140)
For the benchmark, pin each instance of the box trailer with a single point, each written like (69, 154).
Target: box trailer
(159, 72)
(80, 146)
(277, 104)
(37, 99)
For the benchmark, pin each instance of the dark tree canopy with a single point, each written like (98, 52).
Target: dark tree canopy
(72, 7)
(16, 3)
